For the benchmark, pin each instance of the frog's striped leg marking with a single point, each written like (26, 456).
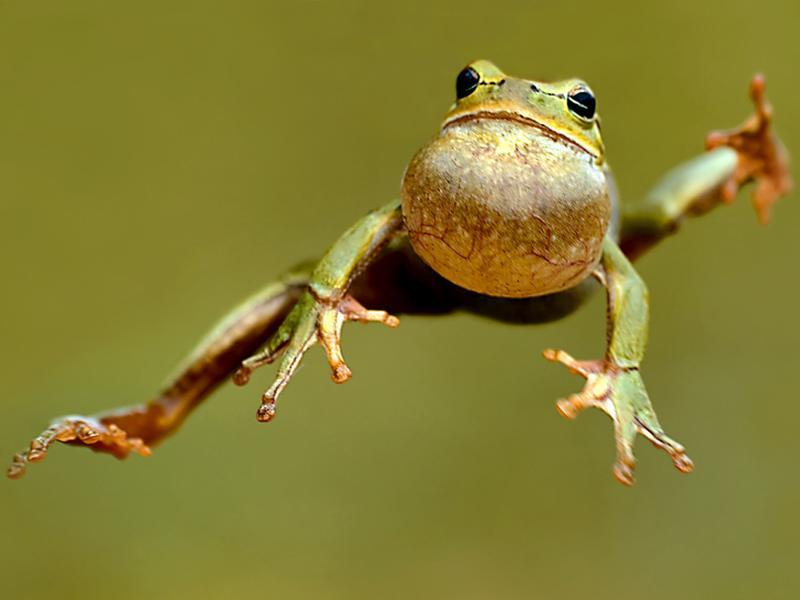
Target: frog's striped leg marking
(324, 307)
(134, 429)
(614, 384)
(750, 152)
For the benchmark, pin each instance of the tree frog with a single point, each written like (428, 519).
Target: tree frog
(510, 212)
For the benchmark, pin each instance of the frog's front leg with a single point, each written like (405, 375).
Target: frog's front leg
(324, 307)
(751, 152)
(615, 384)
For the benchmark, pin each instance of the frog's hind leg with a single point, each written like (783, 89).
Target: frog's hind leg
(750, 152)
(135, 429)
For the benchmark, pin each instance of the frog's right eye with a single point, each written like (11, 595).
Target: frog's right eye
(467, 82)
(581, 103)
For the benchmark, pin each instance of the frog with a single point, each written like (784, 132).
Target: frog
(510, 212)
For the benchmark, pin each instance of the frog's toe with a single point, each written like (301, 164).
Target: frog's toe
(571, 406)
(85, 431)
(661, 440)
(330, 331)
(353, 310)
(584, 368)
(266, 412)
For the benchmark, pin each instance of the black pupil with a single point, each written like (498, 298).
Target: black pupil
(582, 103)
(466, 82)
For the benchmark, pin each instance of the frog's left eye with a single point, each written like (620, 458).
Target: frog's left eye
(467, 82)
(581, 103)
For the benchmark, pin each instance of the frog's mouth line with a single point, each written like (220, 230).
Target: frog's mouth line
(502, 115)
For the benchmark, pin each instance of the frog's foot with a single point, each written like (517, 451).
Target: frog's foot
(620, 393)
(78, 430)
(762, 156)
(312, 320)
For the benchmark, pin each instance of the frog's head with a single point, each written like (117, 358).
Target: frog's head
(564, 110)
(511, 198)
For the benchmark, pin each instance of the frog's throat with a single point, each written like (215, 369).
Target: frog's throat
(504, 115)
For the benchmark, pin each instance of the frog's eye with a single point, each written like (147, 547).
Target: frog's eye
(581, 103)
(466, 82)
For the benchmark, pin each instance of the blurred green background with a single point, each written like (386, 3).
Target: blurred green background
(161, 160)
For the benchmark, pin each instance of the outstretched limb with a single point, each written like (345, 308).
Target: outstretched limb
(751, 152)
(614, 384)
(136, 428)
(324, 307)
(397, 280)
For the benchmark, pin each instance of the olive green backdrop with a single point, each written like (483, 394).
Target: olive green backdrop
(161, 160)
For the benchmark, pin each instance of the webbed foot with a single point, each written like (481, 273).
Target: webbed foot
(762, 156)
(312, 320)
(621, 394)
(100, 437)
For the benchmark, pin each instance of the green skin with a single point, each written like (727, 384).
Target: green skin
(380, 261)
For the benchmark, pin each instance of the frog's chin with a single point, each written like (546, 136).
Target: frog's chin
(506, 115)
